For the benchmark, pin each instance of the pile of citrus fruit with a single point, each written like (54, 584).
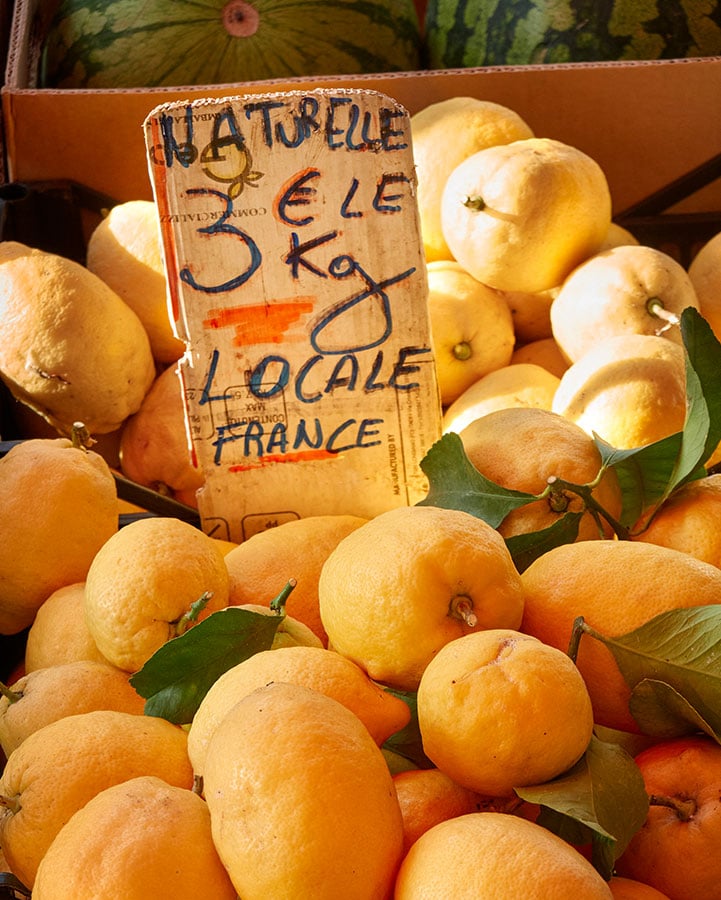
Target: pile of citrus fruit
(411, 706)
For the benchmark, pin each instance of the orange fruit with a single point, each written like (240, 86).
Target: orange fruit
(517, 384)
(630, 889)
(704, 271)
(397, 589)
(531, 313)
(427, 797)
(139, 839)
(323, 670)
(688, 521)
(143, 582)
(676, 849)
(616, 586)
(475, 124)
(124, 250)
(155, 448)
(521, 216)
(499, 710)
(471, 328)
(542, 352)
(322, 799)
(58, 506)
(46, 695)
(521, 448)
(58, 768)
(632, 289)
(495, 854)
(259, 567)
(629, 389)
(59, 633)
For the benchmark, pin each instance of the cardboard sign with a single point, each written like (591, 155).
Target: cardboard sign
(297, 280)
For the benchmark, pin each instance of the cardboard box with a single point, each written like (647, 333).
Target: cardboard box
(646, 123)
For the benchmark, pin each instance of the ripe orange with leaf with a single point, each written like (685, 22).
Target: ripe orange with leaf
(616, 586)
(524, 449)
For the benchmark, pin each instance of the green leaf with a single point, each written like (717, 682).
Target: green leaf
(525, 548)
(601, 800)
(704, 357)
(455, 483)
(662, 712)
(644, 473)
(179, 674)
(681, 649)
(649, 474)
(408, 742)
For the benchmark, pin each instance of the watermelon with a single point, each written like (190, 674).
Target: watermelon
(166, 43)
(463, 33)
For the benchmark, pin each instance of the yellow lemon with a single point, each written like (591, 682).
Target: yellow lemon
(471, 328)
(544, 352)
(474, 124)
(58, 507)
(625, 290)
(499, 710)
(142, 584)
(72, 350)
(517, 384)
(495, 854)
(124, 249)
(296, 773)
(704, 271)
(322, 670)
(398, 588)
(521, 216)
(136, 840)
(629, 389)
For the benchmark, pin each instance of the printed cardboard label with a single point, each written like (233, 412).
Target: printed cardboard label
(296, 277)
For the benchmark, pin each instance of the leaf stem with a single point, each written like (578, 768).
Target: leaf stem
(278, 603)
(12, 696)
(191, 616)
(684, 809)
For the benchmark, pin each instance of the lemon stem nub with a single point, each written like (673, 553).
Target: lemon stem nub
(461, 607)
(656, 308)
(477, 203)
(462, 351)
(11, 804)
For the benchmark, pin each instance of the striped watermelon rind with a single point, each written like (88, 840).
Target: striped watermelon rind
(167, 43)
(467, 33)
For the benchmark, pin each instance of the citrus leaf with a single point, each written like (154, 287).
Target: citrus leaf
(179, 674)
(704, 357)
(601, 800)
(644, 473)
(680, 648)
(525, 548)
(662, 712)
(408, 742)
(648, 475)
(455, 483)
